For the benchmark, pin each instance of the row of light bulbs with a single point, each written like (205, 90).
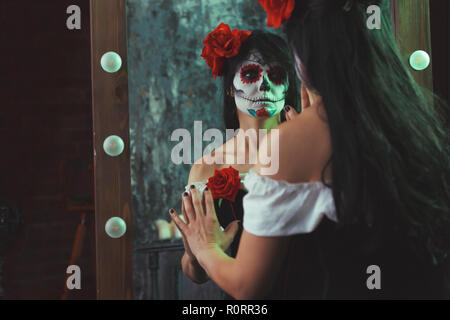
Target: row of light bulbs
(113, 145)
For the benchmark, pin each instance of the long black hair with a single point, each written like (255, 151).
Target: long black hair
(390, 150)
(273, 49)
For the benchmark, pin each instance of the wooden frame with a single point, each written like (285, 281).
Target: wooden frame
(112, 174)
(448, 51)
(412, 31)
(439, 17)
(111, 117)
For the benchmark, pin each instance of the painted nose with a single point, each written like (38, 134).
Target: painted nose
(264, 85)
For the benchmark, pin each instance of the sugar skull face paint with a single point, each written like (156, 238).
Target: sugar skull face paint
(260, 89)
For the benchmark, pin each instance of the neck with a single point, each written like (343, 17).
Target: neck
(247, 122)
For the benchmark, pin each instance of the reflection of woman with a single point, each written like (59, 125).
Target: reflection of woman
(258, 80)
(381, 230)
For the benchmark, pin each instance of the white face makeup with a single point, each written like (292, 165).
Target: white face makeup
(260, 89)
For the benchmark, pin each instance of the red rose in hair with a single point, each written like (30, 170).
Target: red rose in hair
(224, 184)
(220, 44)
(278, 11)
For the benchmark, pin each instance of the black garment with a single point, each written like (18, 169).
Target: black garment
(330, 263)
(226, 213)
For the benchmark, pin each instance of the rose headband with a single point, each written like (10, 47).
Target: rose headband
(220, 44)
(278, 11)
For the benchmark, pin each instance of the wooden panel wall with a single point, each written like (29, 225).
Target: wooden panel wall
(112, 174)
(439, 13)
(412, 25)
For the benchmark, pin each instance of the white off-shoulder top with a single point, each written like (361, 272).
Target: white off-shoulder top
(280, 208)
(201, 185)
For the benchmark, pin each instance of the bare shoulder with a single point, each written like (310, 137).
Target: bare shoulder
(298, 149)
(203, 168)
(200, 171)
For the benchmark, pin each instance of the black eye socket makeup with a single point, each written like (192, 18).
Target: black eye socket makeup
(277, 75)
(250, 73)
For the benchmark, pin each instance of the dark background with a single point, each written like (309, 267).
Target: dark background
(46, 142)
(46, 138)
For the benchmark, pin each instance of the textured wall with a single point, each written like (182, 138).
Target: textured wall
(170, 86)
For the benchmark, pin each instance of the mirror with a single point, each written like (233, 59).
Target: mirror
(170, 87)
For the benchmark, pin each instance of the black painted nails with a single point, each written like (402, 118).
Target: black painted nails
(287, 108)
(206, 189)
(171, 211)
(192, 186)
(185, 194)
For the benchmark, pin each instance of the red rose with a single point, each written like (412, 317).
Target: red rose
(224, 184)
(278, 11)
(262, 113)
(220, 44)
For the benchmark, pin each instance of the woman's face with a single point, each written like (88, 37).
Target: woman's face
(260, 89)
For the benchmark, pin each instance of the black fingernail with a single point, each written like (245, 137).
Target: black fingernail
(206, 189)
(287, 108)
(192, 186)
(185, 194)
(171, 211)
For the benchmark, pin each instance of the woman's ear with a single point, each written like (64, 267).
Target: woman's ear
(308, 97)
(306, 100)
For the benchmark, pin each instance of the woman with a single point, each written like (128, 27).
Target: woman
(368, 134)
(258, 80)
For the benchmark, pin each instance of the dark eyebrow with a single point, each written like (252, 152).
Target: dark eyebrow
(263, 62)
(260, 61)
(257, 61)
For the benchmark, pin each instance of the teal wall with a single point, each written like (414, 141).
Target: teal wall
(170, 86)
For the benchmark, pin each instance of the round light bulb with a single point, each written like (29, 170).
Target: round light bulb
(115, 227)
(419, 60)
(111, 62)
(113, 145)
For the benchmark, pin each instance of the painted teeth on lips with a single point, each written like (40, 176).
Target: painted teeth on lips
(260, 99)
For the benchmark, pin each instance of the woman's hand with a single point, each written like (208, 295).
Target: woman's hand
(191, 268)
(307, 99)
(187, 249)
(290, 112)
(201, 230)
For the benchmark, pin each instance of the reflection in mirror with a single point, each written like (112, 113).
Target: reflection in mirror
(170, 87)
